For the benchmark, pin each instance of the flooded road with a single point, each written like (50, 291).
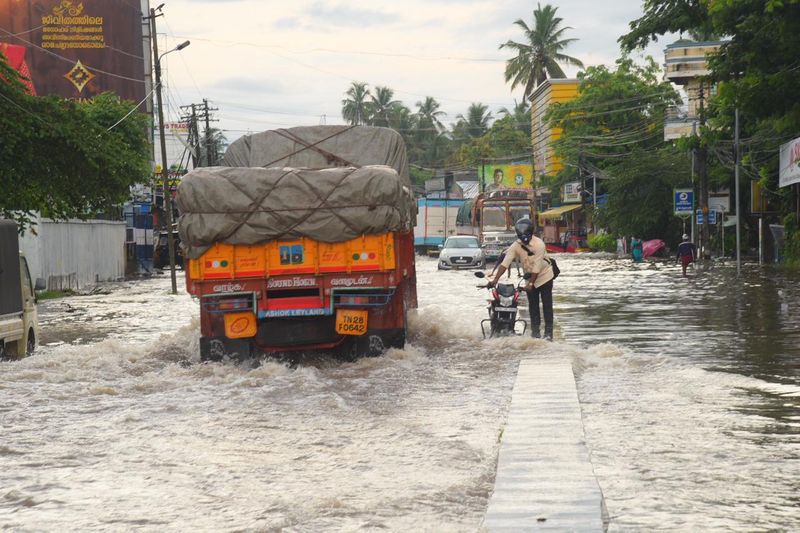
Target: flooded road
(690, 390)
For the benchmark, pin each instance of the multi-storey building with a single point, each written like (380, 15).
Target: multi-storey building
(686, 65)
(545, 163)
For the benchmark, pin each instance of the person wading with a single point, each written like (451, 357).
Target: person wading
(686, 252)
(530, 251)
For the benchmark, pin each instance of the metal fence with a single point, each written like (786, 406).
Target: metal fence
(75, 254)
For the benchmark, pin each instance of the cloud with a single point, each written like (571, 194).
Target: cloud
(341, 15)
(244, 84)
(287, 23)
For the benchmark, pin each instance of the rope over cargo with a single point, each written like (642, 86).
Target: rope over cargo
(238, 205)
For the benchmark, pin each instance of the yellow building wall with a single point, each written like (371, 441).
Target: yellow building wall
(542, 137)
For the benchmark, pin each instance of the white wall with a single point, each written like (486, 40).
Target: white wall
(75, 254)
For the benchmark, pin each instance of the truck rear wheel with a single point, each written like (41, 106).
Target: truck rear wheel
(219, 348)
(31, 345)
(373, 343)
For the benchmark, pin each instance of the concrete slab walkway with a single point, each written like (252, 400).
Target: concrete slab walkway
(545, 479)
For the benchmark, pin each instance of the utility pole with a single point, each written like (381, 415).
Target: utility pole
(164, 165)
(702, 170)
(193, 134)
(737, 159)
(692, 219)
(211, 155)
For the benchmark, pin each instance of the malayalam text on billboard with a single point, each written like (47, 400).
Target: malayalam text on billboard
(76, 48)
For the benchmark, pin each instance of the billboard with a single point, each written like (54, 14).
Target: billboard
(571, 193)
(78, 48)
(790, 163)
(683, 202)
(498, 176)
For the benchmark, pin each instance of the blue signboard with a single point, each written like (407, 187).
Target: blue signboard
(712, 216)
(683, 201)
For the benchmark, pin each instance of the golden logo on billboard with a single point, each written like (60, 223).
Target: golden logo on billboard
(68, 27)
(79, 76)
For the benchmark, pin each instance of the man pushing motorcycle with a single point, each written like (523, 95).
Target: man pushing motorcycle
(531, 252)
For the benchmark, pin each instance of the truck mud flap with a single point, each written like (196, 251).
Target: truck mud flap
(219, 348)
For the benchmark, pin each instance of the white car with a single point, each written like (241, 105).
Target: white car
(462, 251)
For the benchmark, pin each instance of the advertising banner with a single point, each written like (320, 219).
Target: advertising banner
(515, 175)
(76, 48)
(790, 163)
(571, 193)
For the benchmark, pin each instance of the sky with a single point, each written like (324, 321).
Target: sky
(267, 64)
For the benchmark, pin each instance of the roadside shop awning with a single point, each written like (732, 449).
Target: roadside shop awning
(558, 211)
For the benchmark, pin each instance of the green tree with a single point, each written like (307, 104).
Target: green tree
(428, 114)
(614, 129)
(639, 189)
(521, 115)
(756, 72)
(355, 108)
(504, 139)
(212, 147)
(616, 112)
(476, 121)
(381, 105)
(538, 57)
(67, 159)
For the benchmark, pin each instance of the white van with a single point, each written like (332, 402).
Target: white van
(19, 323)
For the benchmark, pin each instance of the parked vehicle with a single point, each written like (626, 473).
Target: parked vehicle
(503, 308)
(492, 217)
(571, 242)
(436, 221)
(161, 250)
(305, 242)
(19, 324)
(462, 251)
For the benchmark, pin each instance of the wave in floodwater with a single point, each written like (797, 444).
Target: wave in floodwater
(115, 424)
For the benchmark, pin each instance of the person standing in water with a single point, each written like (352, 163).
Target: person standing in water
(686, 253)
(531, 252)
(637, 251)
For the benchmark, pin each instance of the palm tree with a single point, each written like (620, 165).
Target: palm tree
(521, 115)
(477, 120)
(539, 56)
(354, 108)
(428, 114)
(381, 105)
(212, 147)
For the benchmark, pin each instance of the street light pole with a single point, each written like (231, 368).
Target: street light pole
(164, 166)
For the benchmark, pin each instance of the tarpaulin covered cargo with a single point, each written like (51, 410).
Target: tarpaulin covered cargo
(245, 205)
(321, 147)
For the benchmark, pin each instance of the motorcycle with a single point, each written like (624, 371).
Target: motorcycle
(503, 308)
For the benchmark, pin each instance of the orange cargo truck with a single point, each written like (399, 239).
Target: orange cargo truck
(291, 258)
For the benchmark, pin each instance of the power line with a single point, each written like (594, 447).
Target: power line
(70, 61)
(351, 52)
(134, 108)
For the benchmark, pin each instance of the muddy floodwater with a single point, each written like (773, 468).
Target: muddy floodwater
(690, 391)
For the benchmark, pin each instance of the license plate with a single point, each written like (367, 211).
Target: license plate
(461, 261)
(351, 321)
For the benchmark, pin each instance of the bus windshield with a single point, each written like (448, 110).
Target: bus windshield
(494, 219)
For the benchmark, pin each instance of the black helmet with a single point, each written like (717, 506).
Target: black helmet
(524, 229)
